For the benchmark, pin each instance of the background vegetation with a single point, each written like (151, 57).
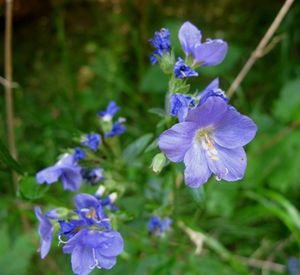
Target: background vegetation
(72, 57)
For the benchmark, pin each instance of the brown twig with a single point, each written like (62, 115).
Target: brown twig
(8, 87)
(261, 48)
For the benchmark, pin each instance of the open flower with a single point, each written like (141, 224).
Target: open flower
(91, 248)
(90, 239)
(210, 53)
(210, 140)
(45, 232)
(66, 170)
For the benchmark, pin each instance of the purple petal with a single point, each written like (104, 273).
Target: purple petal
(112, 244)
(45, 232)
(196, 170)
(105, 262)
(45, 247)
(82, 260)
(74, 241)
(71, 178)
(85, 201)
(189, 37)
(230, 164)
(210, 53)
(49, 175)
(209, 113)
(234, 130)
(175, 141)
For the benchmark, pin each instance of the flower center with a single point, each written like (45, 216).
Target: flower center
(91, 214)
(203, 136)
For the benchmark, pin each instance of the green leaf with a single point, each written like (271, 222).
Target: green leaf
(8, 160)
(135, 148)
(158, 111)
(281, 208)
(19, 251)
(287, 107)
(30, 189)
(154, 81)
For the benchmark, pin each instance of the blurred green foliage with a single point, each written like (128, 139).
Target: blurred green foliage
(71, 59)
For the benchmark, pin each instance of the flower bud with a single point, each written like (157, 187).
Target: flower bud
(158, 162)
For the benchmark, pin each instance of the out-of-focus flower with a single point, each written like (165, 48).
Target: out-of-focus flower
(66, 170)
(78, 154)
(161, 43)
(45, 232)
(158, 226)
(111, 109)
(210, 53)
(92, 141)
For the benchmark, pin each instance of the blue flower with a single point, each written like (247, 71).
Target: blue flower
(92, 141)
(91, 248)
(158, 226)
(78, 154)
(45, 232)
(65, 170)
(210, 53)
(180, 105)
(212, 90)
(90, 239)
(118, 128)
(210, 140)
(90, 209)
(111, 109)
(181, 70)
(93, 176)
(294, 266)
(161, 43)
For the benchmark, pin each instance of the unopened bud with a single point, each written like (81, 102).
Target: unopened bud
(158, 162)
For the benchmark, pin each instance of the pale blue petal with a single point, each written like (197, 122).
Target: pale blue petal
(196, 170)
(82, 260)
(234, 130)
(230, 164)
(105, 262)
(209, 113)
(189, 37)
(175, 141)
(49, 175)
(210, 53)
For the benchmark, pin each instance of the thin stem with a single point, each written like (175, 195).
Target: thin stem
(8, 88)
(260, 49)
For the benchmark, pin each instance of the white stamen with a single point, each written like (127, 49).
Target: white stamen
(61, 241)
(96, 261)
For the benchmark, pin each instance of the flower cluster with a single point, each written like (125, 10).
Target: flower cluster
(69, 170)
(211, 133)
(86, 233)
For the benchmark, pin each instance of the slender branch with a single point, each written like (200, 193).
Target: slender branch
(261, 48)
(8, 87)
